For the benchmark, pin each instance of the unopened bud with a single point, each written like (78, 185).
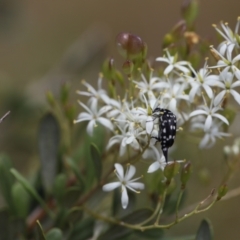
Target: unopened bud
(108, 68)
(214, 54)
(222, 190)
(50, 99)
(185, 174)
(179, 29)
(128, 67)
(119, 77)
(168, 40)
(190, 11)
(171, 170)
(64, 93)
(191, 37)
(129, 45)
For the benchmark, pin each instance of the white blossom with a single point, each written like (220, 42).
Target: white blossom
(210, 112)
(227, 84)
(173, 64)
(93, 115)
(202, 80)
(227, 63)
(230, 37)
(125, 182)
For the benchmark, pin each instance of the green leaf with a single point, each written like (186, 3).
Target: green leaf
(54, 234)
(96, 158)
(59, 187)
(204, 231)
(48, 141)
(76, 171)
(27, 186)
(21, 200)
(119, 232)
(6, 181)
(82, 230)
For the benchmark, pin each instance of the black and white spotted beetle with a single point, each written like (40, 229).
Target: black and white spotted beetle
(167, 128)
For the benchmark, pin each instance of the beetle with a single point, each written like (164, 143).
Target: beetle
(167, 128)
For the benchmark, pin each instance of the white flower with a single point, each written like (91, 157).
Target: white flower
(125, 182)
(155, 83)
(228, 62)
(95, 95)
(155, 152)
(173, 95)
(211, 134)
(202, 81)
(210, 112)
(93, 115)
(173, 64)
(231, 38)
(128, 136)
(226, 82)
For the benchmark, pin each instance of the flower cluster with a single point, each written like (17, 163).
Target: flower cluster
(194, 96)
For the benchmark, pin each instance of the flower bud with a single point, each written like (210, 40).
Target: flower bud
(108, 68)
(179, 29)
(190, 11)
(222, 190)
(64, 93)
(128, 67)
(214, 54)
(171, 170)
(50, 99)
(168, 39)
(185, 174)
(191, 38)
(129, 45)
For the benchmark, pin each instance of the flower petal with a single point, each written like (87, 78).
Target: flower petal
(236, 95)
(208, 123)
(110, 186)
(120, 172)
(131, 170)
(154, 167)
(124, 197)
(135, 185)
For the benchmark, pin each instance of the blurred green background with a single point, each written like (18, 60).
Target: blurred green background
(46, 43)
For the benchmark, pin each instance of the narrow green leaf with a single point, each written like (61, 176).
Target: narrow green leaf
(27, 186)
(54, 234)
(40, 231)
(6, 180)
(77, 172)
(96, 158)
(118, 232)
(59, 187)
(48, 141)
(205, 231)
(21, 200)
